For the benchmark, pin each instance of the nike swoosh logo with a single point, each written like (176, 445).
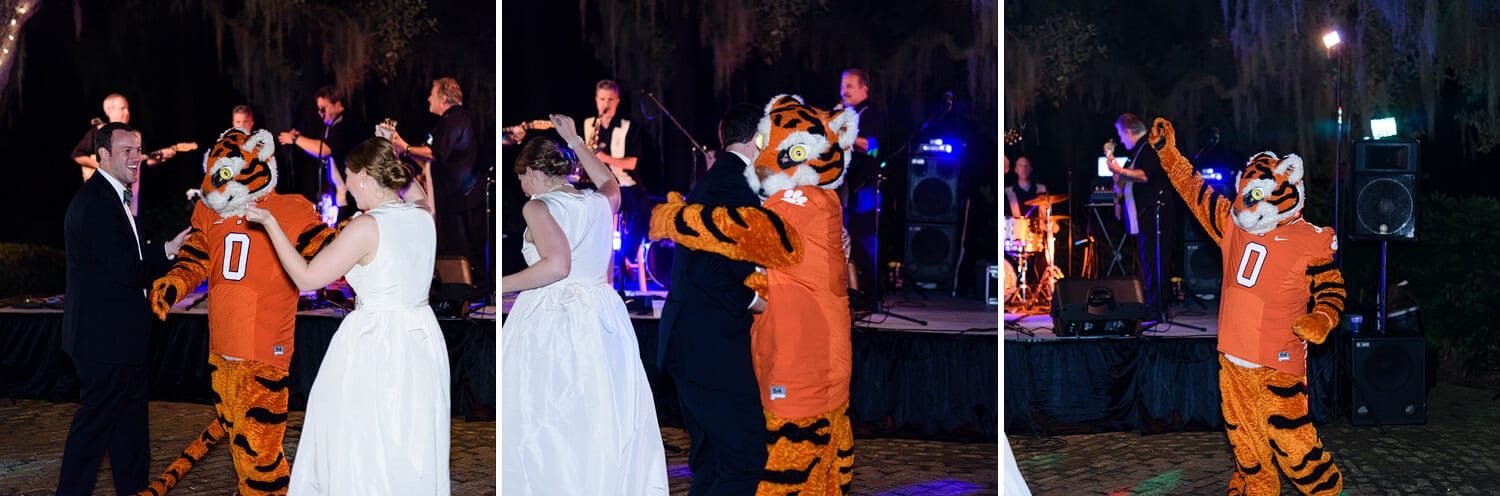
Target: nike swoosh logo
(1279, 238)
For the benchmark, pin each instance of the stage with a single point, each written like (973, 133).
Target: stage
(936, 381)
(33, 365)
(1160, 381)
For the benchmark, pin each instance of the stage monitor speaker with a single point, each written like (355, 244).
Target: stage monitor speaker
(1202, 267)
(932, 186)
(1390, 386)
(454, 289)
(931, 252)
(1098, 307)
(453, 269)
(1384, 190)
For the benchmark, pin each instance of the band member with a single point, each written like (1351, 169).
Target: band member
(614, 141)
(452, 154)
(322, 162)
(243, 118)
(1148, 188)
(858, 193)
(1024, 189)
(116, 109)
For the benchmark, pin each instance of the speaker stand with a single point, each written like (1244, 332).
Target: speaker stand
(878, 305)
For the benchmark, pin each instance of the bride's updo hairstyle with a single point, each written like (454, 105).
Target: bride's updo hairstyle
(377, 157)
(545, 156)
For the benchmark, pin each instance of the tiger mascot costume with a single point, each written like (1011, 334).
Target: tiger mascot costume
(252, 307)
(1286, 292)
(800, 346)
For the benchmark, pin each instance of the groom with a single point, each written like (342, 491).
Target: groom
(705, 332)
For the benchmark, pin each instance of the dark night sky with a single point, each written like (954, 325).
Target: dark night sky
(547, 68)
(165, 63)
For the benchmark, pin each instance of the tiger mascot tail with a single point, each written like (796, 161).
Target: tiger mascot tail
(1285, 292)
(252, 309)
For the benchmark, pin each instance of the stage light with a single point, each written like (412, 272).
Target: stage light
(1331, 40)
(1382, 128)
(936, 145)
(617, 240)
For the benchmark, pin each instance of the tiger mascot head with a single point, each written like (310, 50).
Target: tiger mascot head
(1270, 193)
(239, 169)
(801, 146)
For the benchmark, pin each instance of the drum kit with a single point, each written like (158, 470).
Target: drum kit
(1029, 241)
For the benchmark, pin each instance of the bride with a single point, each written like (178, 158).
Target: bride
(577, 416)
(378, 413)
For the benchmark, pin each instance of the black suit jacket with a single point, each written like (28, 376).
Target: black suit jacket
(106, 317)
(707, 309)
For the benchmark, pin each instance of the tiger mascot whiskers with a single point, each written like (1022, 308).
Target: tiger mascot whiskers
(1285, 292)
(800, 346)
(252, 309)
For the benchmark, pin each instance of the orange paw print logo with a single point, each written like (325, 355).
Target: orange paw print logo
(794, 197)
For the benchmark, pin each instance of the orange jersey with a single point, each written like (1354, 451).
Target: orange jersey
(252, 303)
(1265, 289)
(801, 348)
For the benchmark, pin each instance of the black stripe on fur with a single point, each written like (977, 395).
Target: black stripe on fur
(1281, 422)
(797, 434)
(265, 416)
(790, 477)
(1288, 392)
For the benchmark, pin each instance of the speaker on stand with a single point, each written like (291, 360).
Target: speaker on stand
(932, 208)
(1385, 201)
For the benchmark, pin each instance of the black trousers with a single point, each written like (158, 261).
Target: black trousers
(728, 431)
(112, 420)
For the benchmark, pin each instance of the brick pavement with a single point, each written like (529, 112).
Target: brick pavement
(1456, 452)
(889, 467)
(31, 443)
(32, 435)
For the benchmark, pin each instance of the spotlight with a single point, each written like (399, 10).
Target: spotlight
(1331, 40)
(1382, 128)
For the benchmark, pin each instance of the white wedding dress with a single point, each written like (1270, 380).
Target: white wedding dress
(378, 414)
(577, 416)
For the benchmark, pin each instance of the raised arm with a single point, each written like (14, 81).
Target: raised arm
(1210, 207)
(551, 244)
(597, 171)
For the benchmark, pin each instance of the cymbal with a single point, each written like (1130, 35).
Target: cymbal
(1044, 200)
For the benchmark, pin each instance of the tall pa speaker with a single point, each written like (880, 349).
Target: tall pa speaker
(932, 181)
(1098, 307)
(1389, 378)
(931, 252)
(1202, 268)
(1384, 190)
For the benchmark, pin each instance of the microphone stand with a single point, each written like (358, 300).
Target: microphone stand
(1163, 315)
(697, 148)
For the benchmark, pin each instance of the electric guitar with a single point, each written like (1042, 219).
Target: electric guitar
(1124, 191)
(387, 129)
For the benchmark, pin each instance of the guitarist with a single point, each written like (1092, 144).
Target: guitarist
(117, 109)
(1144, 185)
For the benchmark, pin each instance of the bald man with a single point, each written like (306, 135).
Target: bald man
(116, 109)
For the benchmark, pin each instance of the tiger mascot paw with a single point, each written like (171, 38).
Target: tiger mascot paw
(758, 283)
(663, 214)
(165, 292)
(1313, 327)
(1162, 135)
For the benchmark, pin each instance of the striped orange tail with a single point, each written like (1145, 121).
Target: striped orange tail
(184, 462)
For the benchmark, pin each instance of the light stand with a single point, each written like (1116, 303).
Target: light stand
(1163, 315)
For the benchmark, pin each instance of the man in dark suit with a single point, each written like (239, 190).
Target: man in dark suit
(705, 333)
(107, 321)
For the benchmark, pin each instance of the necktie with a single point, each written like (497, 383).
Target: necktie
(127, 197)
